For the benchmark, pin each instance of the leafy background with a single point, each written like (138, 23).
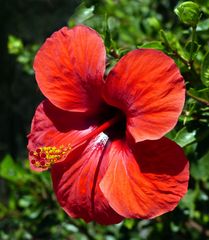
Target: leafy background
(28, 208)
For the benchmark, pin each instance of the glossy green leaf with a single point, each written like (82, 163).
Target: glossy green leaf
(203, 26)
(184, 138)
(154, 44)
(82, 14)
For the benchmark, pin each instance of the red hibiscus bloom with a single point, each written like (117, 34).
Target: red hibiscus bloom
(103, 139)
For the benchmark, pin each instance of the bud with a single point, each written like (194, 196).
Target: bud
(188, 13)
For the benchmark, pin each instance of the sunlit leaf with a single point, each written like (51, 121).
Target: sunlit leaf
(184, 138)
(154, 44)
(203, 25)
(81, 15)
(129, 223)
(11, 171)
(14, 45)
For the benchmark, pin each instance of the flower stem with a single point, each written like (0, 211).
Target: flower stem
(192, 44)
(184, 61)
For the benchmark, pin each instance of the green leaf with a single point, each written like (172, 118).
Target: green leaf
(184, 138)
(200, 170)
(205, 70)
(70, 227)
(172, 134)
(203, 26)
(128, 223)
(171, 43)
(14, 45)
(3, 210)
(9, 170)
(25, 201)
(107, 34)
(188, 201)
(174, 227)
(151, 24)
(196, 48)
(81, 15)
(202, 93)
(154, 44)
(35, 213)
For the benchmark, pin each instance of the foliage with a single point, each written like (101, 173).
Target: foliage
(28, 208)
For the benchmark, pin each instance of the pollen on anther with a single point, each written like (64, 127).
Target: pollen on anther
(46, 156)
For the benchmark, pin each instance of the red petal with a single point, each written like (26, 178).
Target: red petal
(69, 68)
(76, 184)
(55, 127)
(147, 85)
(148, 182)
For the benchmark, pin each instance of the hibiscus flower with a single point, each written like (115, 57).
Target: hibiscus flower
(103, 138)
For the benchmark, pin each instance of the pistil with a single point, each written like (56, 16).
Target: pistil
(97, 130)
(44, 157)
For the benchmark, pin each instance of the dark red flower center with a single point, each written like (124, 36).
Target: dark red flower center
(117, 130)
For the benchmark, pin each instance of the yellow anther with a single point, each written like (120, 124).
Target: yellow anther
(37, 164)
(46, 156)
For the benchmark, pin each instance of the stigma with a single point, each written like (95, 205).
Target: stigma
(45, 157)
